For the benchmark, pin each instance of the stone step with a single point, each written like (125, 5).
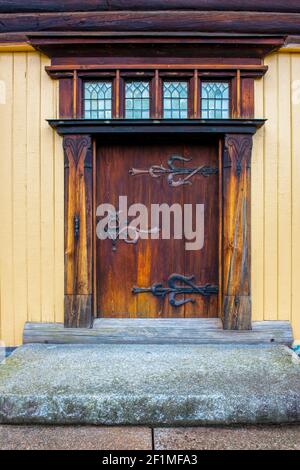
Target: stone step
(111, 384)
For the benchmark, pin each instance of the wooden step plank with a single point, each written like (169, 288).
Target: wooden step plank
(277, 332)
(204, 323)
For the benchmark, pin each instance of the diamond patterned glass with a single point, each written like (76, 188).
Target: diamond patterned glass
(175, 100)
(97, 100)
(214, 100)
(137, 100)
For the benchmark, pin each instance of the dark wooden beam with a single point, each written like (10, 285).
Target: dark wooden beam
(150, 126)
(204, 21)
(154, 46)
(21, 6)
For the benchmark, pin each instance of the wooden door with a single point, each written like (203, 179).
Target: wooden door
(122, 266)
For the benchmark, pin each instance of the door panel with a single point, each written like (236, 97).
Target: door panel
(203, 263)
(152, 261)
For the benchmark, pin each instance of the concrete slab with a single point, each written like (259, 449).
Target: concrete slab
(271, 437)
(150, 385)
(38, 437)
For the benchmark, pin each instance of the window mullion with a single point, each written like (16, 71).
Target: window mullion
(195, 97)
(157, 96)
(117, 95)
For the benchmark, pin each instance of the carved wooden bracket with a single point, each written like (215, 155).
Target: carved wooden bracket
(236, 232)
(78, 230)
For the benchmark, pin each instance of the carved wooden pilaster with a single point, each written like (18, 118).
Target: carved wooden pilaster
(78, 230)
(236, 232)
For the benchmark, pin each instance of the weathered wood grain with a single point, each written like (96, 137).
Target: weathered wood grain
(34, 6)
(78, 248)
(66, 102)
(204, 323)
(204, 263)
(205, 21)
(236, 232)
(158, 331)
(247, 98)
(78, 311)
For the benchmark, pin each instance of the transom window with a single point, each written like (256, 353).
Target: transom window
(214, 100)
(137, 100)
(175, 100)
(155, 96)
(98, 100)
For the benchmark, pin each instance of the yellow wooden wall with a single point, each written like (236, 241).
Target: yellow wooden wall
(31, 195)
(276, 193)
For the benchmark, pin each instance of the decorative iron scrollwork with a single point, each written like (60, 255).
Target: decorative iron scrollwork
(173, 289)
(155, 171)
(116, 230)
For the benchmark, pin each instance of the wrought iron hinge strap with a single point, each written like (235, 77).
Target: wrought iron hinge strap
(173, 289)
(155, 171)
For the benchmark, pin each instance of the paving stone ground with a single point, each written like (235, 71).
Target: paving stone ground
(17, 437)
(229, 438)
(74, 438)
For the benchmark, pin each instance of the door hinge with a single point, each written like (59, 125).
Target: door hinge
(182, 174)
(173, 289)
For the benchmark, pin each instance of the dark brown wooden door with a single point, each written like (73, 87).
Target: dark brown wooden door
(153, 261)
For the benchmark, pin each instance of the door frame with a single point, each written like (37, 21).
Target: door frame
(235, 257)
(234, 57)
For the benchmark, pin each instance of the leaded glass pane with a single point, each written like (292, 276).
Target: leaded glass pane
(137, 100)
(215, 100)
(97, 100)
(175, 100)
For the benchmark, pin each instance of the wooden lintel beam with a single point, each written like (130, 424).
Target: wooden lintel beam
(35, 6)
(254, 70)
(199, 65)
(206, 21)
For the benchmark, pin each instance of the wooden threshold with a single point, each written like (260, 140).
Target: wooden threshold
(159, 331)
